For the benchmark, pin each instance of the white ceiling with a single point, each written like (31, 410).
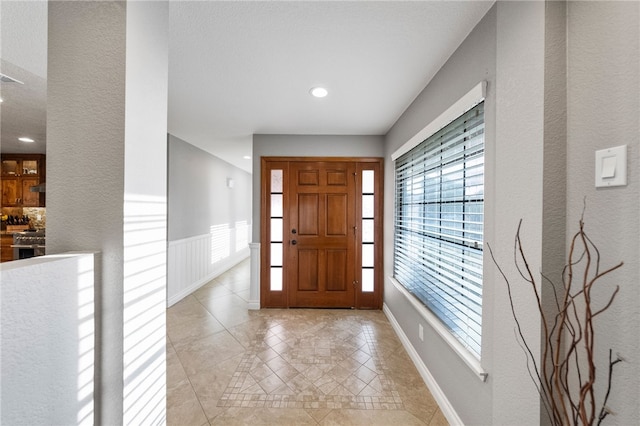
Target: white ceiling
(23, 53)
(238, 68)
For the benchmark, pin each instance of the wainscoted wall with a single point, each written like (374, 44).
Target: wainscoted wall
(209, 225)
(194, 261)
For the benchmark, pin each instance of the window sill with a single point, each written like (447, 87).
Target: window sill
(469, 359)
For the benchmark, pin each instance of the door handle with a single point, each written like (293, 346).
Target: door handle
(294, 242)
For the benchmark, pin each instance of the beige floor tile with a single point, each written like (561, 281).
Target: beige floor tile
(237, 285)
(212, 289)
(175, 371)
(264, 416)
(210, 384)
(245, 333)
(186, 310)
(183, 407)
(193, 329)
(230, 310)
(438, 419)
(371, 418)
(204, 354)
(318, 413)
(227, 365)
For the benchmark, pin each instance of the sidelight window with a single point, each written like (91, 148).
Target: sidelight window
(277, 230)
(368, 209)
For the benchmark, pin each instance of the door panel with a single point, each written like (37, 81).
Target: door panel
(337, 270)
(307, 270)
(308, 177)
(308, 212)
(336, 214)
(336, 177)
(322, 213)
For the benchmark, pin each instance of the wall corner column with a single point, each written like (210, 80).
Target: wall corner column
(106, 191)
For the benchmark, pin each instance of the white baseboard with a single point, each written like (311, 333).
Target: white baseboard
(175, 298)
(253, 305)
(430, 381)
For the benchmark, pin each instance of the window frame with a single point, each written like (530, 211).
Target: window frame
(459, 108)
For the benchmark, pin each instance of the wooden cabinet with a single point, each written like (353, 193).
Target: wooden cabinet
(19, 173)
(6, 252)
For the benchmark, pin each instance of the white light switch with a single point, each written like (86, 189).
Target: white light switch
(611, 166)
(608, 167)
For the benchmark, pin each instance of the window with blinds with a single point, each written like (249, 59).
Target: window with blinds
(439, 224)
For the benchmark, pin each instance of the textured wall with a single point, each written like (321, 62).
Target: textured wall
(47, 321)
(198, 193)
(604, 111)
(106, 172)
(85, 163)
(519, 194)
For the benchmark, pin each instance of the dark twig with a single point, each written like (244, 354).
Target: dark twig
(565, 373)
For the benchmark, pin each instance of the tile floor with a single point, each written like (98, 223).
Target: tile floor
(230, 366)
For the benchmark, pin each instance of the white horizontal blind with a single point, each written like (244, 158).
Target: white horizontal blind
(439, 224)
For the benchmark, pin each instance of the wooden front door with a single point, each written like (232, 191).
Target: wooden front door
(321, 233)
(321, 249)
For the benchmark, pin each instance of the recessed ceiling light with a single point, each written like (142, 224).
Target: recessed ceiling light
(26, 140)
(247, 157)
(1, 100)
(319, 92)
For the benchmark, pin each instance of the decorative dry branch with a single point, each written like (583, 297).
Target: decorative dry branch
(565, 374)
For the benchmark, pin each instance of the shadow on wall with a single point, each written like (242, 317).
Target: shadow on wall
(145, 268)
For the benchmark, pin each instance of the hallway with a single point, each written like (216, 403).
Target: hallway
(227, 365)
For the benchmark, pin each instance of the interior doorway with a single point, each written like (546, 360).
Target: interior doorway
(321, 232)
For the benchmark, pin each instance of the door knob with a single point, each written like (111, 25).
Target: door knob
(294, 242)
(293, 231)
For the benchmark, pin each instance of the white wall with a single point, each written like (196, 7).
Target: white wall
(47, 341)
(145, 213)
(106, 172)
(603, 100)
(209, 222)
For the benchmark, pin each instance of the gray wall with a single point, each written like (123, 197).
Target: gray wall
(307, 146)
(474, 61)
(198, 192)
(603, 97)
(558, 89)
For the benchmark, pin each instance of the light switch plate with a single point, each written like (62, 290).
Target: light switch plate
(611, 167)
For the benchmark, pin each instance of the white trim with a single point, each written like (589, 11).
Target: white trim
(442, 400)
(469, 359)
(254, 286)
(462, 105)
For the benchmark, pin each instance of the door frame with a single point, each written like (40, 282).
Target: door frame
(279, 298)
